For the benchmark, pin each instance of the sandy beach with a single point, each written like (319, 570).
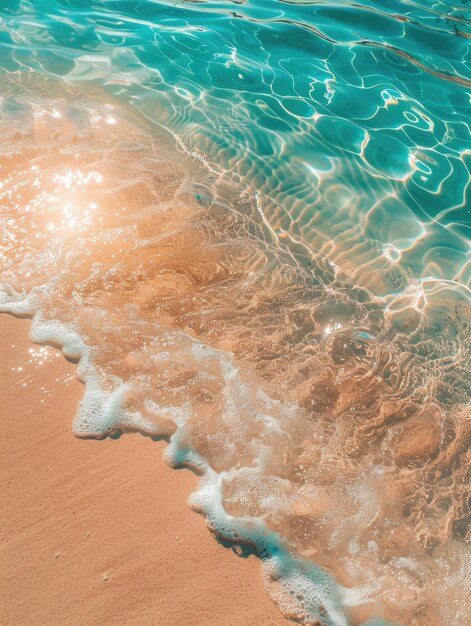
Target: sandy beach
(100, 532)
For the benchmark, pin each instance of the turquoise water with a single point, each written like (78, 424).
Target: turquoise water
(251, 222)
(350, 120)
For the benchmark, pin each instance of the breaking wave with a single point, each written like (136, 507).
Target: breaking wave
(330, 422)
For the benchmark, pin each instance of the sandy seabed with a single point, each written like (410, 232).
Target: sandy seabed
(100, 532)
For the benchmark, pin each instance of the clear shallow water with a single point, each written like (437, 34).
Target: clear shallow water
(249, 220)
(368, 105)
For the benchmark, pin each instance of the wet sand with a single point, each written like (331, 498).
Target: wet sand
(100, 532)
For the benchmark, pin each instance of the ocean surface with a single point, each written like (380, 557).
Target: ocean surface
(249, 222)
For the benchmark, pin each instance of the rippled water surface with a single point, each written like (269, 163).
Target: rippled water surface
(251, 223)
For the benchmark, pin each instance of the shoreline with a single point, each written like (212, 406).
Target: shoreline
(99, 532)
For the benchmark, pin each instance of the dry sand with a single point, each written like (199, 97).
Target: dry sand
(99, 532)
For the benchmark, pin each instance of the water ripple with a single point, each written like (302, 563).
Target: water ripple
(377, 121)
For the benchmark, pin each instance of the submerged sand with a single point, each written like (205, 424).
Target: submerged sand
(100, 532)
(338, 421)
